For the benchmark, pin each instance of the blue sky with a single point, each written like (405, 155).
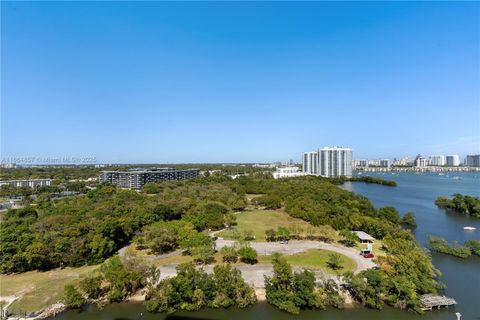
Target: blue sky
(238, 82)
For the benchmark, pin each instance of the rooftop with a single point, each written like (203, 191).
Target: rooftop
(364, 236)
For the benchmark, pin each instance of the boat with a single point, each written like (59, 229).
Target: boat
(469, 228)
(457, 178)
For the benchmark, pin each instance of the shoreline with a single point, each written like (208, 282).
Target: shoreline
(138, 298)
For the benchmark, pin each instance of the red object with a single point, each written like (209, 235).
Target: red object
(368, 255)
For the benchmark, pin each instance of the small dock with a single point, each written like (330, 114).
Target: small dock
(430, 301)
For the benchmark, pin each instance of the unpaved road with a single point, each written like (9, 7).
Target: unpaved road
(254, 274)
(292, 247)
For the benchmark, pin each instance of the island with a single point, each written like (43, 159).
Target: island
(463, 204)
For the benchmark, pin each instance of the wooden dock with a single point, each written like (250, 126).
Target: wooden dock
(430, 301)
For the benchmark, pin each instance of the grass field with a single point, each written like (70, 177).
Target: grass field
(258, 221)
(40, 289)
(315, 259)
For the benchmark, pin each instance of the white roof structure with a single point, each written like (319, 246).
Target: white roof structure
(364, 236)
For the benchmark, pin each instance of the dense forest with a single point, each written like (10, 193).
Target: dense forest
(463, 204)
(89, 229)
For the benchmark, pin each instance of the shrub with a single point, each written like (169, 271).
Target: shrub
(334, 261)
(92, 287)
(270, 235)
(474, 246)
(409, 220)
(73, 298)
(229, 254)
(248, 255)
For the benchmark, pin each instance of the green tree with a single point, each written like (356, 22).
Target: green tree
(279, 288)
(474, 246)
(409, 220)
(209, 215)
(203, 253)
(164, 212)
(349, 238)
(229, 254)
(304, 286)
(269, 201)
(230, 220)
(73, 298)
(270, 235)
(334, 261)
(283, 234)
(248, 254)
(390, 214)
(91, 286)
(121, 282)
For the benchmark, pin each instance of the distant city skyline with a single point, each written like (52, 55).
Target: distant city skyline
(218, 82)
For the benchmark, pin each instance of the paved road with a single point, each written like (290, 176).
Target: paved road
(292, 247)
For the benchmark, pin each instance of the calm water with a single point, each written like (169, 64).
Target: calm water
(414, 193)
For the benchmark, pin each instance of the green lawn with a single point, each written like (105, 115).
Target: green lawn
(257, 221)
(40, 289)
(315, 259)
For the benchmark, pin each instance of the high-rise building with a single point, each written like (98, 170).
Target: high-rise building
(329, 162)
(310, 162)
(437, 160)
(136, 179)
(335, 162)
(472, 160)
(421, 162)
(452, 160)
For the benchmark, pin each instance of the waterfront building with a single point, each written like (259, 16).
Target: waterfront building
(437, 160)
(472, 160)
(452, 160)
(335, 162)
(310, 162)
(329, 162)
(137, 178)
(382, 163)
(29, 183)
(288, 172)
(407, 161)
(421, 162)
(8, 165)
(360, 163)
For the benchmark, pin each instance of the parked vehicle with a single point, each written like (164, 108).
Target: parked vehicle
(367, 254)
